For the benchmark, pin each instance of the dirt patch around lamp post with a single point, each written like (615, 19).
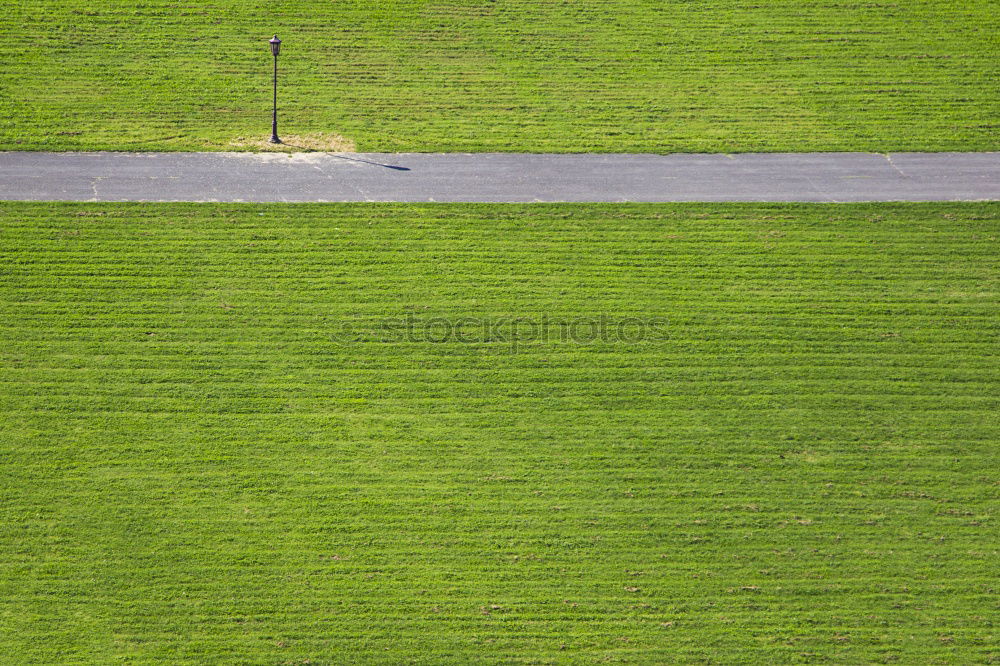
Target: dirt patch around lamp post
(297, 143)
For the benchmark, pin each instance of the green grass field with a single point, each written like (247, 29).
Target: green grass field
(217, 447)
(504, 75)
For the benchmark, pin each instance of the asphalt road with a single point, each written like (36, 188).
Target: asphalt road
(498, 177)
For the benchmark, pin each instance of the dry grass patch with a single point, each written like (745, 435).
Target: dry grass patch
(297, 143)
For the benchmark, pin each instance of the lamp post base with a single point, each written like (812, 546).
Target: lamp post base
(274, 139)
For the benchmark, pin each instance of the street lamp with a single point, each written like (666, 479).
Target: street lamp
(275, 49)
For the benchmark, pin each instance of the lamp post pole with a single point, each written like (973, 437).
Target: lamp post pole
(275, 49)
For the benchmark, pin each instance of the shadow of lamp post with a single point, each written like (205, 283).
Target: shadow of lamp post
(275, 49)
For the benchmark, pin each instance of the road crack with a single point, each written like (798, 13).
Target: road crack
(93, 186)
(888, 158)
